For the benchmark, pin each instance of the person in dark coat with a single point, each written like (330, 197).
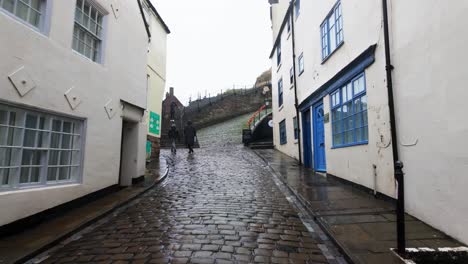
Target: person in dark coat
(174, 136)
(190, 134)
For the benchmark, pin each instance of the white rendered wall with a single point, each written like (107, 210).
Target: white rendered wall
(55, 68)
(362, 26)
(287, 111)
(428, 51)
(157, 57)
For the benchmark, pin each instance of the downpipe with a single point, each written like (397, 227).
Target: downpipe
(296, 100)
(398, 165)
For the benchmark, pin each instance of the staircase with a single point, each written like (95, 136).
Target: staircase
(262, 145)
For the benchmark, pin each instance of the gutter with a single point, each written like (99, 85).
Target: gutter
(296, 100)
(278, 38)
(398, 165)
(144, 20)
(166, 28)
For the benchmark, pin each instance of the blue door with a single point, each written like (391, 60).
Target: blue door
(307, 138)
(319, 139)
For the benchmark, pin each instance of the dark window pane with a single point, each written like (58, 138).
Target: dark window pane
(22, 10)
(52, 174)
(65, 158)
(55, 141)
(24, 176)
(29, 138)
(57, 125)
(53, 157)
(9, 5)
(66, 140)
(31, 121)
(3, 117)
(64, 173)
(35, 172)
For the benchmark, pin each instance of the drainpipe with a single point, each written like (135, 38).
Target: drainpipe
(398, 165)
(296, 101)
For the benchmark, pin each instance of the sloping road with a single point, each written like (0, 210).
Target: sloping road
(220, 205)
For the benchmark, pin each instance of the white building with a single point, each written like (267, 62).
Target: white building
(343, 99)
(157, 57)
(72, 100)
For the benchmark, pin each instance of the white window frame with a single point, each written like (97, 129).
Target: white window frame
(16, 148)
(44, 12)
(98, 37)
(300, 62)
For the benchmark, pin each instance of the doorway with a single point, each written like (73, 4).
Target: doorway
(319, 139)
(128, 152)
(307, 139)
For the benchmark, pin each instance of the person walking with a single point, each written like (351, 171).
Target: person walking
(190, 135)
(173, 136)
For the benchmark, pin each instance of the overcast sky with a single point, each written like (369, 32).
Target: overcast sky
(215, 43)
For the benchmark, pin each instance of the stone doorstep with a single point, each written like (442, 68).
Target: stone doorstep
(23, 246)
(365, 219)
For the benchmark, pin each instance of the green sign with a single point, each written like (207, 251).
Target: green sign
(148, 148)
(155, 123)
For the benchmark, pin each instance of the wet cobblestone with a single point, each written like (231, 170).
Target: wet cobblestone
(217, 206)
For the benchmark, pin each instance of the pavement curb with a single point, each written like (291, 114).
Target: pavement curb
(86, 224)
(304, 202)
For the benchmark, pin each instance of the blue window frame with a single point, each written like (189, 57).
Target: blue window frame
(297, 6)
(332, 31)
(282, 131)
(278, 54)
(280, 92)
(349, 113)
(301, 63)
(296, 128)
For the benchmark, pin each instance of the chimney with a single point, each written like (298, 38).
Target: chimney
(171, 91)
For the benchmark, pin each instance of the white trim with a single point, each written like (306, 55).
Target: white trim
(15, 163)
(44, 21)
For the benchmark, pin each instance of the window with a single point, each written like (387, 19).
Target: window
(38, 149)
(282, 131)
(87, 34)
(296, 128)
(288, 25)
(291, 75)
(280, 92)
(332, 31)
(349, 113)
(297, 6)
(301, 63)
(29, 11)
(278, 54)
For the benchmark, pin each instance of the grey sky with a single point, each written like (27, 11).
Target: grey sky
(215, 44)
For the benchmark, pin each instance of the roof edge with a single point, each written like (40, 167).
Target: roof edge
(280, 32)
(166, 28)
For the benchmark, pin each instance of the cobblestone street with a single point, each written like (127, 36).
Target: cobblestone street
(219, 205)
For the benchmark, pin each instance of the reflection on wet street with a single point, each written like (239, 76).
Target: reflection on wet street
(219, 205)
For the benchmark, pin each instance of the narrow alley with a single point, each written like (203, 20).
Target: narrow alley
(220, 205)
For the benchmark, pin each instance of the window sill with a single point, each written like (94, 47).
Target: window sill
(86, 58)
(351, 145)
(333, 52)
(281, 108)
(38, 30)
(40, 188)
